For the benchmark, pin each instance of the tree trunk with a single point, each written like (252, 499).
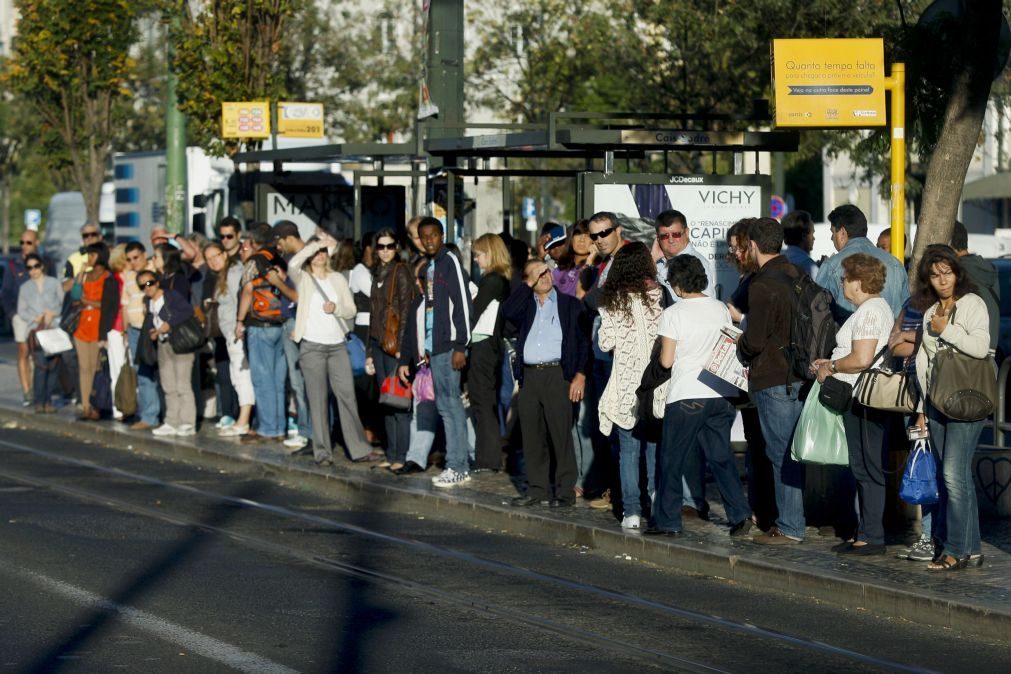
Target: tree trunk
(979, 29)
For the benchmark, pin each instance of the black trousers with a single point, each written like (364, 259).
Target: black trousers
(228, 400)
(484, 377)
(546, 424)
(865, 433)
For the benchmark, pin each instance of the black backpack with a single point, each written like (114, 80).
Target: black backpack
(812, 326)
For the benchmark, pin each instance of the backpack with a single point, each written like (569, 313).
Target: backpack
(812, 326)
(266, 305)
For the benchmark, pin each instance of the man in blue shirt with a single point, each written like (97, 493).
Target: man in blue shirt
(553, 352)
(849, 236)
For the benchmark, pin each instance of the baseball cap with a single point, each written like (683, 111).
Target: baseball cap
(285, 228)
(557, 234)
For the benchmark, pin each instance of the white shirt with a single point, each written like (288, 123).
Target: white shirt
(321, 327)
(156, 322)
(360, 281)
(695, 325)
(872, 320)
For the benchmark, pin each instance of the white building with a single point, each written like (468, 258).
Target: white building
(8, 24)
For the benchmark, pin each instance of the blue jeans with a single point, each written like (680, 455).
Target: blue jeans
(450, 408)
(631, 448)
(148, 403)
(693, 428)
(957, 521)
(296, 381)
(267, 368)
(778, 410)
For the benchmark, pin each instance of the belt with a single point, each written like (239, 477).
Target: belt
(543, 366)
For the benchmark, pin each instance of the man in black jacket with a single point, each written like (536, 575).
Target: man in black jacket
(763, 348)
(551, 361)
(446, 313)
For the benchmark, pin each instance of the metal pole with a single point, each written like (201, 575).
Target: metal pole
(175, 153)
(896, 84)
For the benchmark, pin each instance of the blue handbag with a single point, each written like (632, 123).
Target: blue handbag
(919, 479)
(356, 352)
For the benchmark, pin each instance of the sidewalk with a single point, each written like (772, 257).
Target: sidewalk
(977, 601)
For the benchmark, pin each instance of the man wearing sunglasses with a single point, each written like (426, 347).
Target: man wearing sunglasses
(14, 276)
(672, 240)
(78, 261)
(228, 233)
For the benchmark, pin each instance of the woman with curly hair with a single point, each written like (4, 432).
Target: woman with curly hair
(630, 309)
(698, 415)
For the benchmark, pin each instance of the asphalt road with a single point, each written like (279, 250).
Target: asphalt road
(114, 561)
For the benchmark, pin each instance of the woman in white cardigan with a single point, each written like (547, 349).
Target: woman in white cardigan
(957, 318)
(325, 304)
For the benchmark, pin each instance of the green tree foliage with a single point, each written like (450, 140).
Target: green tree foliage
(70, 64)
(227, 50)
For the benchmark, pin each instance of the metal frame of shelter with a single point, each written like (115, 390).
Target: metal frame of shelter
(585, 136)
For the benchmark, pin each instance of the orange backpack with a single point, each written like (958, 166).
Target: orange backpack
(266, 307)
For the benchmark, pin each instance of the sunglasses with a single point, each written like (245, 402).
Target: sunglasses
(669, 235)
(90, 235)
(147, 284)
(227, 237)
(27, 243)
(602, 233)
(386, 246)
(30, 267)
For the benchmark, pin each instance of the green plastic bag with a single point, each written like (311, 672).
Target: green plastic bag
(820, 436)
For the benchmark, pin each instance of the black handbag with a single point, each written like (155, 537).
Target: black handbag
(187, 337)
(101, 386)
(147, 349)
(836, 394)
(70, 317)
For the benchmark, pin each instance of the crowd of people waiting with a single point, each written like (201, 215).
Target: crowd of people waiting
(579, 364)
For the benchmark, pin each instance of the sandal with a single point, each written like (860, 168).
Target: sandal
(949, 563)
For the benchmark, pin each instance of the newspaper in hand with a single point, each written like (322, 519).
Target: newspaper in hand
(723, 362)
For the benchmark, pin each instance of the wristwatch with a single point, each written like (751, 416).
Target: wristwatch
(832, 367)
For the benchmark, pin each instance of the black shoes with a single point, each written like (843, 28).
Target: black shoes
(527, 501)
(560, 503)
(656, 531)
(304, 451)
(865, 550)
(409, 468)
(742, 528)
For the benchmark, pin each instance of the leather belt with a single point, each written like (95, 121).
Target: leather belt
(544, 366)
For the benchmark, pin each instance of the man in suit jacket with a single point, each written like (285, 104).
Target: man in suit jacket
(552, 358)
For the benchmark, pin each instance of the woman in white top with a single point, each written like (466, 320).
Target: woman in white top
(325, 304)
(860, 338)
(957, 318)
(698, 415)
(630, 308)
(227, 288)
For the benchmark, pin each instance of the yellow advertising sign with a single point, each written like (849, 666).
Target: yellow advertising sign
(829, 83)
(300, 120)
(249, 119)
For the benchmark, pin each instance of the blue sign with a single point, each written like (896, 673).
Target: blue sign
(529, 209)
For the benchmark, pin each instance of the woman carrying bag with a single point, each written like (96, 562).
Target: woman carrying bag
(99, 309)
(169, 310)
(40, 299)
(392, 293)
(956, 322)
(324, 307)
(858, 341)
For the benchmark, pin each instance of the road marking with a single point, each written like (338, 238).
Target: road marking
(195, 642)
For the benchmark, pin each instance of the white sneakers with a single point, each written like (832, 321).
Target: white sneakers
(295, 442)
(233, 431)
(450, 478)
(183, 431)
(631, 523)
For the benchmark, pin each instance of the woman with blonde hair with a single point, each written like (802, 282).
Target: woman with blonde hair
(117, 340)
(485, 372)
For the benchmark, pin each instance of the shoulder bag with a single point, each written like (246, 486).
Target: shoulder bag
(919, 479)
(962, 387)
(880, 388)
(124, 392)
(188, 336)
(353, 343)
(835, 394)
(391, 324)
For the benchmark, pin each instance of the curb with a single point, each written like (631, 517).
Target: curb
(787, 577)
